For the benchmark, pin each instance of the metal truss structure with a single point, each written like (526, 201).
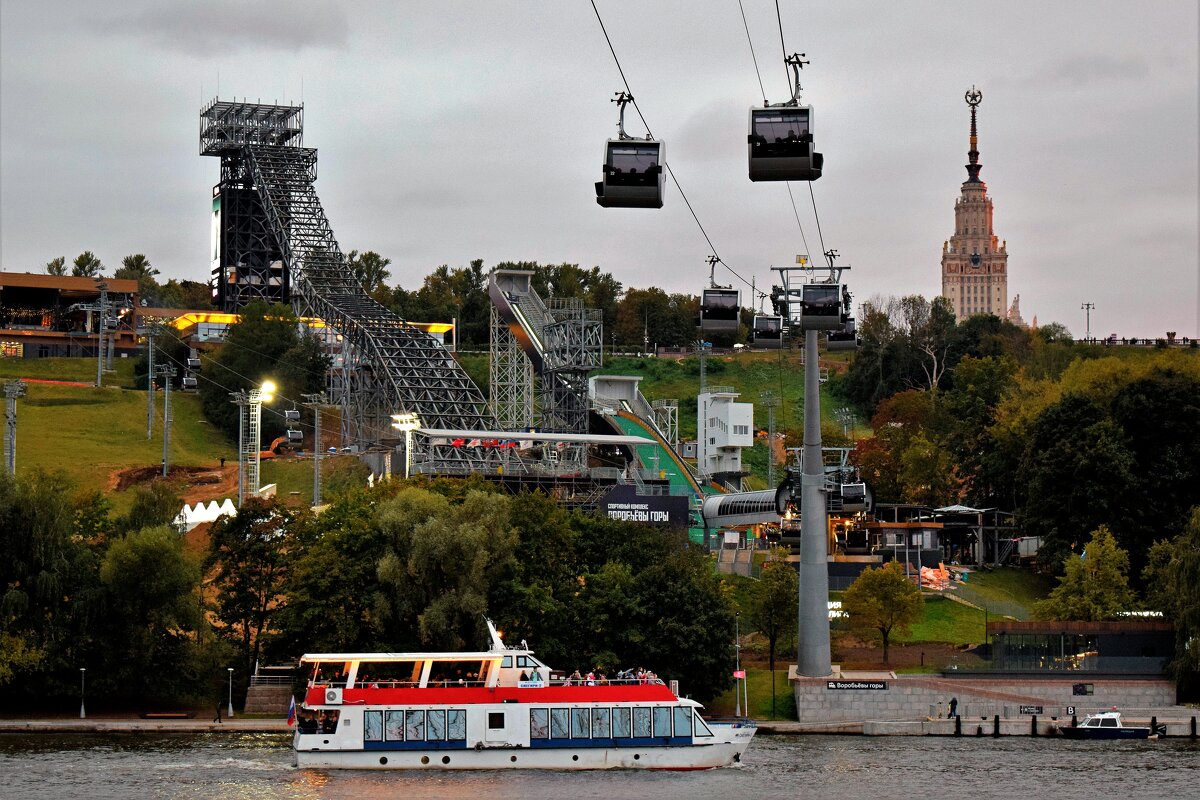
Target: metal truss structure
(666, 417)
(510, 378)
(386, 366)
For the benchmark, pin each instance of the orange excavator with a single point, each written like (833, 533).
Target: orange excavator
(274, 449)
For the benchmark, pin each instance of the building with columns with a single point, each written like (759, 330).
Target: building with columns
(974, 261)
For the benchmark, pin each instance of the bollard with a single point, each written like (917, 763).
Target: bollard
(1074, 722)
(957, 725)
(1154, 726)
(979, 730)
(996, 725)
(1033, 732)
(1193, 727)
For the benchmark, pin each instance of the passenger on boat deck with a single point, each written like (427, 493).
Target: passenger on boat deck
(308, 723)
(575, 680)
(524, 677)
(591, 678)
(534, 676)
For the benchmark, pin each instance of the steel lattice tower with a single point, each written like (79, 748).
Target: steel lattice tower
(387, 366)
(510, 378)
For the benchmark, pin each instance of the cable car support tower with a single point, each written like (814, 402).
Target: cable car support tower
(273, 242)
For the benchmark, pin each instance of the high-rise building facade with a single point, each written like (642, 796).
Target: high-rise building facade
(974, 261)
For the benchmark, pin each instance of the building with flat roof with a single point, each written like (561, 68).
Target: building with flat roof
(43, 316)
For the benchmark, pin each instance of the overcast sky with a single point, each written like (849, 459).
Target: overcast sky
(456, 130)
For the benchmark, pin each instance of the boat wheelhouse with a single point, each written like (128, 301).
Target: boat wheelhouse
(498, 709)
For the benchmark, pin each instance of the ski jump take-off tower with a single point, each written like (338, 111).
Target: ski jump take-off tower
(272, 242)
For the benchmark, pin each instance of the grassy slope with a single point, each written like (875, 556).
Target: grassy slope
(89, 433)
(1007, 591)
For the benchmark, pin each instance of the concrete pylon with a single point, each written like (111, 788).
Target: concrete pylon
(813, 659)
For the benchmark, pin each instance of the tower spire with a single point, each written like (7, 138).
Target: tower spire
(974, 97)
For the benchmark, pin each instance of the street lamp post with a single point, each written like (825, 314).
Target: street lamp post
(1087, 336)
(737, 660)
(408, 423)
(82, 684)
(229, 711)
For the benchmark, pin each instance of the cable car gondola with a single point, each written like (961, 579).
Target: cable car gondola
(633, 174)
(845, 339)
(767, 331)
(781, 145)
(720, 310)
(821, 307)
(781, 138)
(633, 168)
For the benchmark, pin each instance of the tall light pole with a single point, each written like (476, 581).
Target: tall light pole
(82, 676)
(249, 424)
(408, 423)
(1087, 337)
(229, 711)
(12, 390)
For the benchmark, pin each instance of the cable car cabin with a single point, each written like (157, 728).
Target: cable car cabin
(720, 310)
(781, 145)
(845, 339)
(854, 497)
(767, 331)
(633, 174)
(821, 307)
(188, 382)
(294, 435)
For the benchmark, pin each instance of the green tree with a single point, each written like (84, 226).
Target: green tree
(773, 607)
(57, 266)
(136, 267)
(247, 566)
(154, 504)
(1173, 587)
(370, 269)
(152, 594)
(882, 601)
(86, 265)
(1094, 585)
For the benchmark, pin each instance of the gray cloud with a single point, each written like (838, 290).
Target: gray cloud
(220, 27)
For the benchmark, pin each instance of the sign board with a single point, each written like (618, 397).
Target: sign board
(624, 503)
(841, 685)
(1071, 710)
(1031, 709)
(531, 684)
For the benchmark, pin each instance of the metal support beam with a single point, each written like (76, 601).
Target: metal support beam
(12, 390)
(813, 657)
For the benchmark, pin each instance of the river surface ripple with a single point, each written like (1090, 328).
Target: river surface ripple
(258, 767)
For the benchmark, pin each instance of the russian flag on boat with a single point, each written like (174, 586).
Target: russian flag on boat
(292, 712)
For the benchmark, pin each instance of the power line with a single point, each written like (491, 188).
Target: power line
(816, 216)
(782, 46)
(753, 57)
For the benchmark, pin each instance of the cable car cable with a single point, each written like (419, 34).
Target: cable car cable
(666, 163)
(753, 57)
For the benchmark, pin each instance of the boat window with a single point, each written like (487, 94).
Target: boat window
(539, 723)
(414, 725)
(506, 663)
(456, 724)
(393, 727)
(662, 721)
(641, 722)
(496, 720)
(373, 726)
(522, 661)
(683, 721)
(387, 674)
(580, 723)
(457, 673)
(701, 728)
(600, 723)
(620, 723)
(1108, 722)
(1090, 723)
(436, 724)
(560, 722)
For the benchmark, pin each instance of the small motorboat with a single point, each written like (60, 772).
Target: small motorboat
(1107, 725)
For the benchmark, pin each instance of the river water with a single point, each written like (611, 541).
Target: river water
(258, 767)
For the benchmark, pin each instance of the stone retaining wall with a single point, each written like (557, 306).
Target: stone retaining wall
(922, 696)
(268, 699)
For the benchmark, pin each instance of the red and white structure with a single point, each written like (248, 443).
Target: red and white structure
(498, 709)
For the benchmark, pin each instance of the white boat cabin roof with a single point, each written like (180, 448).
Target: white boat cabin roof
(389, 657)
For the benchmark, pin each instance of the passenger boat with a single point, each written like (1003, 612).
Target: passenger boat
(1107, 725)
(498, 709)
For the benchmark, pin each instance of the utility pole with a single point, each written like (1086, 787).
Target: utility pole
(315, 401)
(240, 400)
(151, 330)
(1087, 337)
(12, 390)
(101, 309)
(771, 402)
(167, 372)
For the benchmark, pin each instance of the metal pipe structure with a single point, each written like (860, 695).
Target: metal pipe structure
(12, 390)
(315, 401)
(813, 657)
(168, 373)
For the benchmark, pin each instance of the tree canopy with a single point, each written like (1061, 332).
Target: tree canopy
(883, 601)
(1095, 584)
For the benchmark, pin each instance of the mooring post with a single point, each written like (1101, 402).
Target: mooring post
(1154, 725)
(1193, 735)
(996, 725)
(957, 725)
(1033, 731)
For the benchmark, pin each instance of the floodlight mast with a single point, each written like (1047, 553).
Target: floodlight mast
(12, 390)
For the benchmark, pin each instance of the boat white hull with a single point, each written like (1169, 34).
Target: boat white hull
(707, 756)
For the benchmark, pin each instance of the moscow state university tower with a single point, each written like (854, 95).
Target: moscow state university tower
(974, 262)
